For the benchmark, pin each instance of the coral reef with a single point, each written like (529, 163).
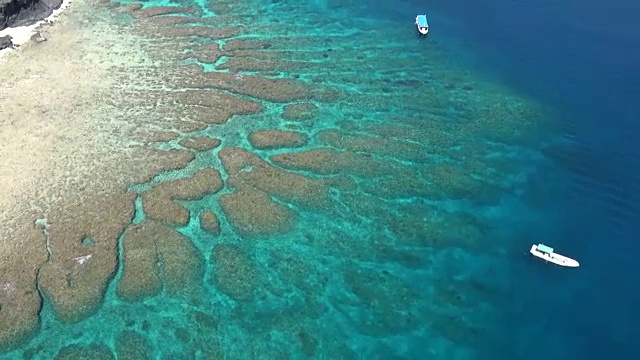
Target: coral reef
(83, 251)
(299, 112)
(360, 172)
(234, 274)
(158, 257)
(90, 352)
(131, 345)
(200, 143)
(275, 139)
(159, 201)
(253, 213)
(209, 222)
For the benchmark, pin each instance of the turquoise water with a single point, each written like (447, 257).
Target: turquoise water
(395, 226)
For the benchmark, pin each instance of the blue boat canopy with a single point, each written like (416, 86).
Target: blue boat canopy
(422, 21)
(545, 248)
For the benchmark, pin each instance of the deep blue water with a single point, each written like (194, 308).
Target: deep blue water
(581, 57)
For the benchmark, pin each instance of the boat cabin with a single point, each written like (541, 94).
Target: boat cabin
(422, 24)
(545, 249)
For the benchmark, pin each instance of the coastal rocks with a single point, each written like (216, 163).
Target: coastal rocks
(157, 257)
(5, 42)
(38, 37)
(275, 139)
(14, 13)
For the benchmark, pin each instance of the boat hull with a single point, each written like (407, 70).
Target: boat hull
(554, 258)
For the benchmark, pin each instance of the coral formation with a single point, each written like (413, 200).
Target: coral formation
(234, 274)
(159, 201)
(158, 257)
(275, 139)
(200, 143)
(299, 112)
(253, 213)
(94, 351)
(209, 222)
(131, 345)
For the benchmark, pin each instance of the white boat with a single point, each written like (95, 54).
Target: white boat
(422, 24)
(547, 253)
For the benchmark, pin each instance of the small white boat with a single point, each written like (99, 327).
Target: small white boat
(547, 253)
(422, 24)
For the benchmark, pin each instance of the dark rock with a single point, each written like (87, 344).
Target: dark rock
(37, 37)
(5, 42)
(15, 13)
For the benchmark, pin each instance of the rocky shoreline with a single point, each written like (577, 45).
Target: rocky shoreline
(15, 13)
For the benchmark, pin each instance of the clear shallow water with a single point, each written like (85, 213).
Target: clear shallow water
(419, 253)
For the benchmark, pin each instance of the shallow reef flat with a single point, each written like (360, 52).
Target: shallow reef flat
(256, 179)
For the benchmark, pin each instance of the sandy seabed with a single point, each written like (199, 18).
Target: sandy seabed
(47, 101)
